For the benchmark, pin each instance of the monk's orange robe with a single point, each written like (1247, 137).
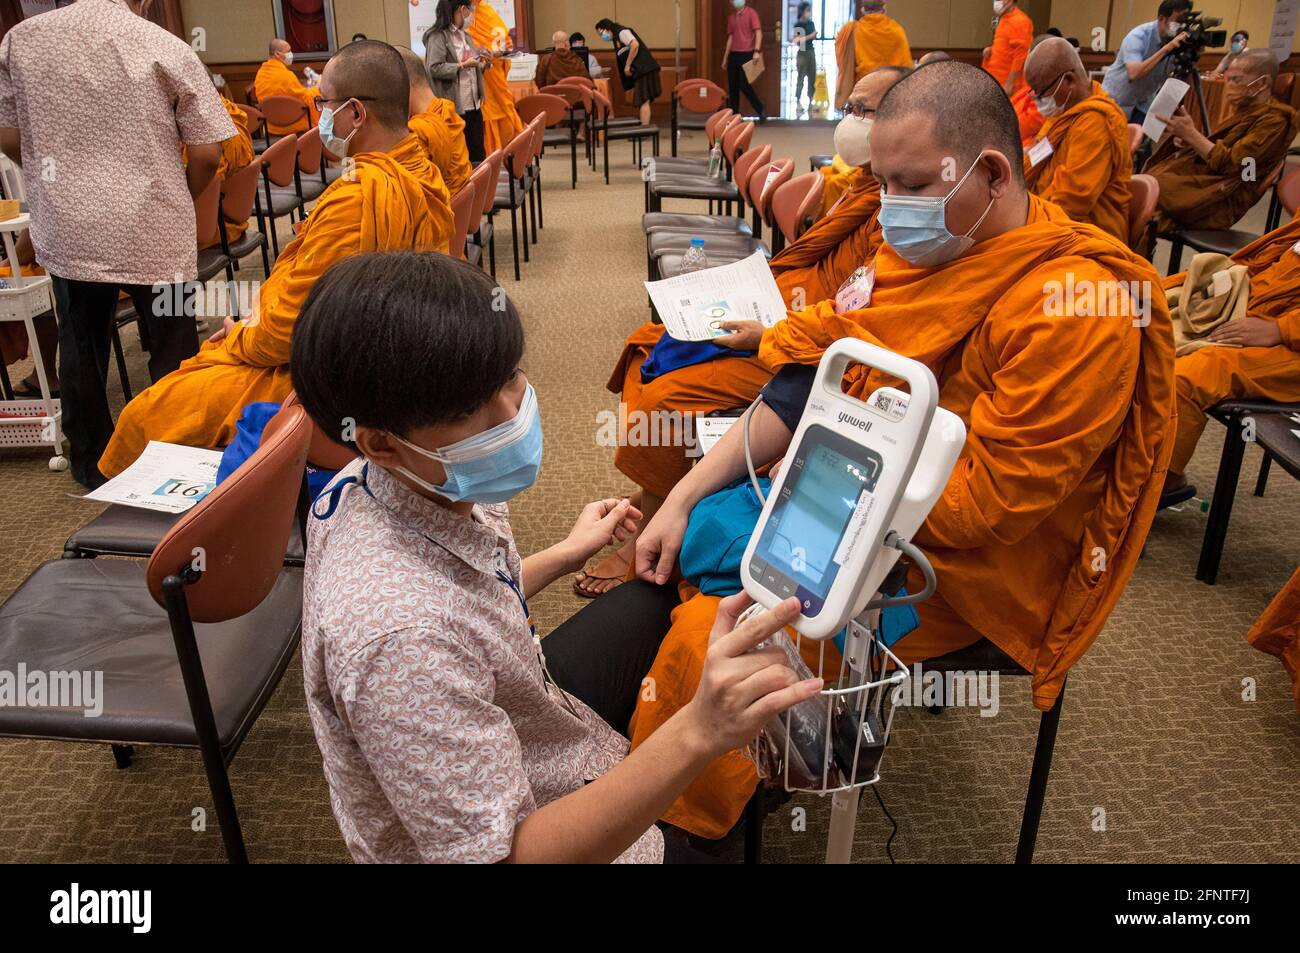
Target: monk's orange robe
(411, 154)
(1088, 170)
(1214, 192)
(713, 802)
(236, 153)
(1028, 117)
(442, 133)
(275, 79)
(808, 270)
(836, 180)
(382, 207)
(1277, 631)
(1211, 374)
(864, 44)
(501, 122)
(1011, 42)
(1070, 427)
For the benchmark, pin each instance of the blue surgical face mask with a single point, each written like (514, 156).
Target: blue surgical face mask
(1238, 45)
(916, 226)
(333, 144)
(607, 37)
(489, 467)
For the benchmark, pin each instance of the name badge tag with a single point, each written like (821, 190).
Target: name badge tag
(1295, 249)
(1039, 151)
(855, 293)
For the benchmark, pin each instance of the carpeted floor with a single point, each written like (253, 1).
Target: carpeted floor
(1158, 757)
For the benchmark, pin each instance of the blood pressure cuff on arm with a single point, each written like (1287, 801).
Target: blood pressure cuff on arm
(787, 392)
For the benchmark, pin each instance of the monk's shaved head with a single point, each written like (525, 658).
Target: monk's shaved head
(1257, 62)
(870, 6)
(1051, 58)
(560, 40)
(966, 109)
(416, 73)
(278, 47)
(934, 56)
(869, 90)
(374, 73)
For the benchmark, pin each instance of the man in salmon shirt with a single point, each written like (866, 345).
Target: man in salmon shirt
(1068, 407)
(1081, 160)
(1011, 41)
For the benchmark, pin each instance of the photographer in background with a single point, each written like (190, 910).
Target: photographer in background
(1144, 62)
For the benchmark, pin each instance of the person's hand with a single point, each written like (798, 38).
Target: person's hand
(740, 689)
(758, 55)
(1176, 42)
(659, 543)
(220, 334)
(598, 525)
(1248, 332)
(724, 62)
(745, 335)
(1180, 123)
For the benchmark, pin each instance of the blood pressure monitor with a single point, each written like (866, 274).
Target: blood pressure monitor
(856, 470)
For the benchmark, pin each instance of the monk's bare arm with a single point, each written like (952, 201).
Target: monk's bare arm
(1059, 397)
(201, 166)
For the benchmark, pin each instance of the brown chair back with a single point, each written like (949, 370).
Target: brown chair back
(463, 206)
(487, 186)
(796, 204)
(571, 94)
(717, 124)
(255, 119)
(323, 451)
(1143, 194)
(538, 129)
(284, 110)
(746, 165)
(1288, 191)
(1282, 86)
(518, 152)
(206, 212)
(309, 152)
(239, 529)
(763, 183)
(552, 108)
(736, 140)
(700, 95)
(239, 193)
(279, 160)
(584, 81)
(1134, 138)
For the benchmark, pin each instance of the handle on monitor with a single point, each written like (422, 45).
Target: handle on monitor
(921, 385)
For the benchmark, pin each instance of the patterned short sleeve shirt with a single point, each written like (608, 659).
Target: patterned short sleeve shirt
(438, 727)
(103, 100)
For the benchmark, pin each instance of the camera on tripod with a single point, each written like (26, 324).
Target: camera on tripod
(1201, 36)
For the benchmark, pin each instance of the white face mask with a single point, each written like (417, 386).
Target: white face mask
(288, 58)
(853, 140)
(1047, 105)
(999, 6)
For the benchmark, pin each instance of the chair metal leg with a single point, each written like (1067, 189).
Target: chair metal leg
(492, 247)
(514, 237)
(1262, 480)
(1225, 488)
(754, 815)
(205, 726)
(1175, 257)
(1047, 726)
(122, 755)
(523, 221)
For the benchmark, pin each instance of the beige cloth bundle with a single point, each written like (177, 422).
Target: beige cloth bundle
(1215, 291)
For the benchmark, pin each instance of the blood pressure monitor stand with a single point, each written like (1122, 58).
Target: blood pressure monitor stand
(899, 449)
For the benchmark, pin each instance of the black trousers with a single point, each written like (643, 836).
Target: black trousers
(474, 135)
(806, 63)
(602, 653)
(737, 83)
(86, 311)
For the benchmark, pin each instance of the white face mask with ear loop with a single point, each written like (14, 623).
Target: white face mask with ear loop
(853, 139)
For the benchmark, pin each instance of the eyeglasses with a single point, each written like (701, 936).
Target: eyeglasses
(320, 101)
(1051, 87)
(861, 110)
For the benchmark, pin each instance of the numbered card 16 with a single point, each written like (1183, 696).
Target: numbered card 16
(166, 477)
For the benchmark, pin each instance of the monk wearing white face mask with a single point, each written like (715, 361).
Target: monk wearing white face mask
(1080, 160)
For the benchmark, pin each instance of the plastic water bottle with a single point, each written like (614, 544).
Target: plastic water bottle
(715, 160)
(694, 259)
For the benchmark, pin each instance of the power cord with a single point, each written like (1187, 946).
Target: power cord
(893, 823)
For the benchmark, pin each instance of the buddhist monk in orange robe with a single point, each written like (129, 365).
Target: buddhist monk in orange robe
(1011, 42)
(392, 199)
(1277, 631)
(274, 78)
(236, 153)
(1069, 410)
(436, 124)
(1260, 353)
(838, 176)
(810, 269)
(560, 64)
(862, 45)
(501, 122)
(1081, 160)
(1212, 181)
